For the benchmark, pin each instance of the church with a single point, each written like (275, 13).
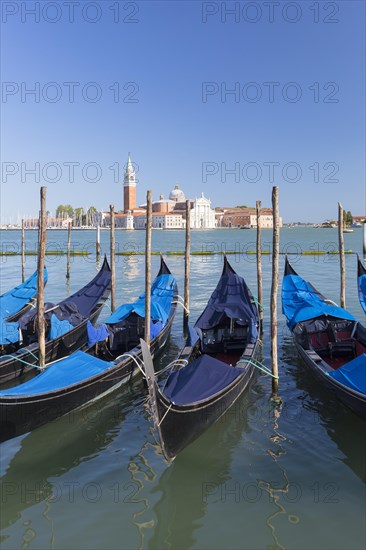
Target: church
(166, 213)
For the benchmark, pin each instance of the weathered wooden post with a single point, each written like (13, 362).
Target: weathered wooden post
(112, 258)
(341, 256)
(97, 244)
(23, 252)
(274, 290)
(187, 263)
(68, 250)
(148, 267)
(40, 279)
(259, 264)
(364, 239)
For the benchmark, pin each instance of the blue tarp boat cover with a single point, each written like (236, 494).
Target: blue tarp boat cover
(301, 302)
(96, 334)
(231, 298)
(362, 291)
(73, 369)
(199, 380)
(352, 374)
(162, 292)
(9, 332)
(14, 300)
(58, 327)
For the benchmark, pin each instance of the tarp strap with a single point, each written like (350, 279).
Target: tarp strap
(168, 409)
(176, 362)
(354, 330)
(259, 366)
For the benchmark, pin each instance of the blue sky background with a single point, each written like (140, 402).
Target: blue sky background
(171, 133)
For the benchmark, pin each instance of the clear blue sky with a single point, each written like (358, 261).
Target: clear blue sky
(180, 129)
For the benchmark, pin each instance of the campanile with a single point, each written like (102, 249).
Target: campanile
(129, 187)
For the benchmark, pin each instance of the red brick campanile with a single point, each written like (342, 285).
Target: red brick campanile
(129, 187)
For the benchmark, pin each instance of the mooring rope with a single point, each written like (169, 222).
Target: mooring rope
(134, 359)
(258, 303)
(23, 361)
(259, 366)
(180, 303)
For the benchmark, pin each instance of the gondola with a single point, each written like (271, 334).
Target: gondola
(361, 283)
(83, 377)
(66, 327)
(213, 369)
(13, 304)
(328, 338)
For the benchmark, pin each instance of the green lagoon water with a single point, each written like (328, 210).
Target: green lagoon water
(291, 477)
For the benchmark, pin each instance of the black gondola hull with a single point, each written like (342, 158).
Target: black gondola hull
(20, 362)
(352, 399)
(19, 415)
(181, 425)
(215, 334)
(13, 367)
(315, 354)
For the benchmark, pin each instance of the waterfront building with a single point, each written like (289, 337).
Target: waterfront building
(244, 217)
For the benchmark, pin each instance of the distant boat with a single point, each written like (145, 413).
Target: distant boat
(347, 230)
(356, 225)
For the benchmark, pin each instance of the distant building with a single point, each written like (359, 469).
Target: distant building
(202, 215)
(170, 213)
(244, 218)
(161, 221)
(129, 187)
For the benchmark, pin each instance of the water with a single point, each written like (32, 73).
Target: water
(261, 478)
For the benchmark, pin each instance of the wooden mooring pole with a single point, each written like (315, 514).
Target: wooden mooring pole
(274, 290)
(342, 263)
(41, 329)
(68, 250)
(23, 252)
(148, 267)
(364, 239)
(97, 244)
(112, 259)
(259, 264)
(187, 263)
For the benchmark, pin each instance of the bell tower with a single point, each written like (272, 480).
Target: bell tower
(129, 187)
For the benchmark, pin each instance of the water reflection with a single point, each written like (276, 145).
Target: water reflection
(196, 475)
(131, 267)
(54, 449)
(344, 427)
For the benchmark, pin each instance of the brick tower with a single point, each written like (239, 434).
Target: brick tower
(129, 187)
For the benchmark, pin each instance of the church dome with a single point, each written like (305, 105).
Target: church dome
(177, 194)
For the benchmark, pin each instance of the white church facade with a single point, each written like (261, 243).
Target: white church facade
(202, 215)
